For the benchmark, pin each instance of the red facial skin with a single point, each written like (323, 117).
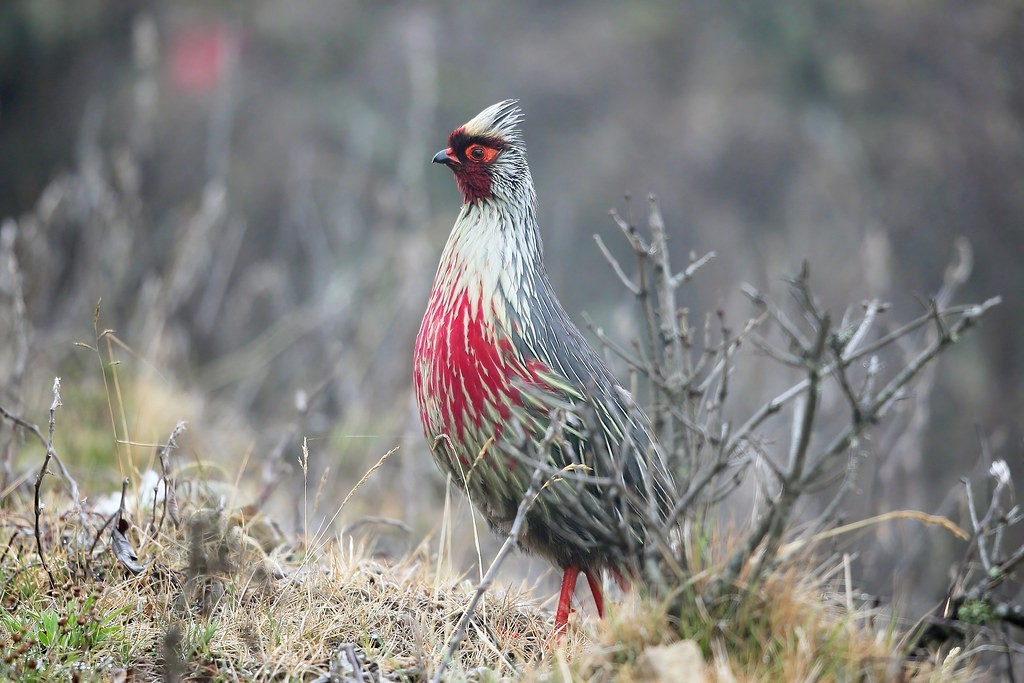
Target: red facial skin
(471, 159)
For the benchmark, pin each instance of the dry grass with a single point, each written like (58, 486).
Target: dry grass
(212, 602)
(225, 596)
(800, 624)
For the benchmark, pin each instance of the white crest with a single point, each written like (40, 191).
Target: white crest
(501, 120)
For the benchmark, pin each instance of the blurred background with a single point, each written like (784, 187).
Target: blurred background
(247, 187)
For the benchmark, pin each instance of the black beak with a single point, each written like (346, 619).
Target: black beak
(445, 157)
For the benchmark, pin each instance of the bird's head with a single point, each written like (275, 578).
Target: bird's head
(487, 154)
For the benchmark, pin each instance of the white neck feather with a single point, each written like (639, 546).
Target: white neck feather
(493, 255)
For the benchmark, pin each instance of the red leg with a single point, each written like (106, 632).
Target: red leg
(595, 590)
(565, 599)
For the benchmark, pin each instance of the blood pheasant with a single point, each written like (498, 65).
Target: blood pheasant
(497, 356)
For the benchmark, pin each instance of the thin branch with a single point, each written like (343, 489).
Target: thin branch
(643, 253)
(839, 372)
(69, 481)
(166, 476)
(691, 270)
(977, 528)
(39, 479)
(613, 262)
(529, 498)
(969, 315)
(794, 480)
(904, 330)
(796, 338)
(870, 377)
(631, 360)
(885, 397)
(780, 356)
(874, 307)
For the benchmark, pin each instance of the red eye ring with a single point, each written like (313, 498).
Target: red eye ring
(480, 153)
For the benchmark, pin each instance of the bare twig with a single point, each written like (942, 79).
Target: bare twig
(537, 482)
(839, 372)
(39, 479)
(979, 531)
(631, 360)
(691, 270)
(690, 388)
(774, 522)
(874, 307)
(167, 479)
(884, 399)
(626, 282)
(643, 253)
(673, 356)
(529, 498)
(969, 315)
(796, 338)
(69, 481)
(110, 518)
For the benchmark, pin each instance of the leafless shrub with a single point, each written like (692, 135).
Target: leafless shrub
(981, 608)
(719, 452)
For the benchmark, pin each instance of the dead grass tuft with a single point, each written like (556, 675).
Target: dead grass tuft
(226, 596)
(208, 587)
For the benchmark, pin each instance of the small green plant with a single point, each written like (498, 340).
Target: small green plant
(43, 643)
(200, 640)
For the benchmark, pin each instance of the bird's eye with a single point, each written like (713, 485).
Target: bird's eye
(481, 153)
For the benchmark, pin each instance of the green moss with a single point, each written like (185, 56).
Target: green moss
(975, 612)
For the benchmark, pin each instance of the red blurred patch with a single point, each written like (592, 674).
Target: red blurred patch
(199, 58)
